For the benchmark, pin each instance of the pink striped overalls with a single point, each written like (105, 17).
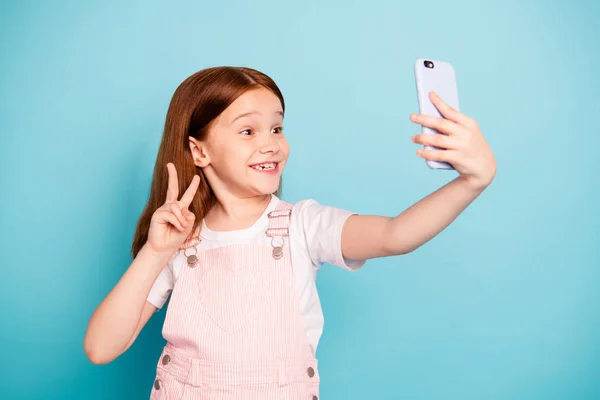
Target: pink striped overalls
(233, 326)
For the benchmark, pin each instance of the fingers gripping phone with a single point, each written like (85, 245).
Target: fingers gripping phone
(437, 76)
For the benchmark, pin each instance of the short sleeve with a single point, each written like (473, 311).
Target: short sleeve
(321, 227)
(162, 287)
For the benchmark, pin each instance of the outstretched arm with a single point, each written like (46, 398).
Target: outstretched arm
(463, 146)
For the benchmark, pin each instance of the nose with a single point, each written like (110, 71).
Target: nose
(269, 145)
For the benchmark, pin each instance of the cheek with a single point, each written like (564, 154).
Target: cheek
(230, 155)
(284, 147)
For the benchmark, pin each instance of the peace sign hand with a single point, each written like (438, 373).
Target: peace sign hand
(172, 223)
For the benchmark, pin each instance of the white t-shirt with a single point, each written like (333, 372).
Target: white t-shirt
(315, 233)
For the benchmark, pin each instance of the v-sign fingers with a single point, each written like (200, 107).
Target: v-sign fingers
(173, 186)
(189, 194)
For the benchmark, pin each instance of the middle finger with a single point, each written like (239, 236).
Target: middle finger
(174, 208)
(440, 124)
(173, 184)
(436, 140)
(189, 194)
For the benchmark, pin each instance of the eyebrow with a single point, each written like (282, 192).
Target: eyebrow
(251, 113)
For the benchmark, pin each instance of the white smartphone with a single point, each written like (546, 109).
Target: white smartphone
(440, 77)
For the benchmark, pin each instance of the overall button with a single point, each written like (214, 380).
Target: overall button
(310, 371)
(315, 398)
(166, 359)
(156, 384)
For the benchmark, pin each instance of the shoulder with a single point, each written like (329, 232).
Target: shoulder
(309, 212)
(318, 228)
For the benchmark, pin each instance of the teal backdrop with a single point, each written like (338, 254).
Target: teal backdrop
(504, 304)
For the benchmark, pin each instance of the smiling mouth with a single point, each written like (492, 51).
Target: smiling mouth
(270, 166)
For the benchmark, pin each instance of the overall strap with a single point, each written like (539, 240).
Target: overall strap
(279, 222)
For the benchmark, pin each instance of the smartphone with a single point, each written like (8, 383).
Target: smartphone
(440, 77)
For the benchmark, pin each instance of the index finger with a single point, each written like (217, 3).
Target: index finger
(449, 112)
(189, 194)
(173, 187)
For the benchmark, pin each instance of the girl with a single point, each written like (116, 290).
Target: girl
(238, 263)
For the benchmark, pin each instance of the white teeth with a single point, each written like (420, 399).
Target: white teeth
(265, 166)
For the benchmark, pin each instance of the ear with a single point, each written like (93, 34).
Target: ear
(199, 153)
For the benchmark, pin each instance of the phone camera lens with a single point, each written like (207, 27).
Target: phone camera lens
(428, 64)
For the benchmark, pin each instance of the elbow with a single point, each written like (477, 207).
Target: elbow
(397, 247)
(406, 248)
(96, 357)
(95, 354)
(394, 241)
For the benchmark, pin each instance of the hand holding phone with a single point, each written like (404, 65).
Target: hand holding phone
(451, 139)
(440, 77)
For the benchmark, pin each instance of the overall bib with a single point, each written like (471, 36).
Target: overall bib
(234, 329)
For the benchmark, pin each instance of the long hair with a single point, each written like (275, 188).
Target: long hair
(197, 101)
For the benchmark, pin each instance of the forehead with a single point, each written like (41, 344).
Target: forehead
(261, 101)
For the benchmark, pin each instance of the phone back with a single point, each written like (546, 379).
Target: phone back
(437, 76)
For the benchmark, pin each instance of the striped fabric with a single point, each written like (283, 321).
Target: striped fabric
(234, 329)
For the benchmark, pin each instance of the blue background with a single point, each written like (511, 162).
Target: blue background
(504, 304)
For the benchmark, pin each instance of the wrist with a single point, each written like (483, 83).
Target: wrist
(154, 256)
(473, 184)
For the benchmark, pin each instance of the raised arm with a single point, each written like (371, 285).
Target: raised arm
(119, 318)
(463, 146)
(123, 313)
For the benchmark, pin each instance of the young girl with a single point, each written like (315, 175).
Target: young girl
(244, 317)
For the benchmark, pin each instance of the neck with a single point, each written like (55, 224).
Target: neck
(233, 213)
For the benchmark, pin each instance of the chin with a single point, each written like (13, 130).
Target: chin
(267, 182)
(266, 189)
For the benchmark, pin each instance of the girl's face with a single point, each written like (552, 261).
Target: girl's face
(245, 150)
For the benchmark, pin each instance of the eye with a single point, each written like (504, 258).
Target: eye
(279, 129)
(246, 132)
